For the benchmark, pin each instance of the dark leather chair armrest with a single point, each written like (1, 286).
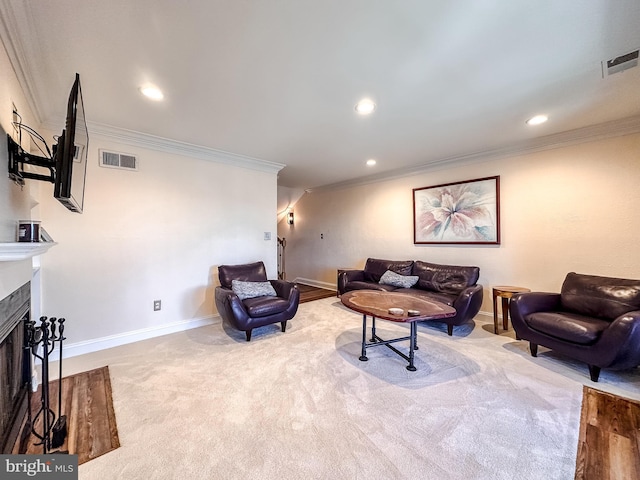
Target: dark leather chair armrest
(228, 304)
(347, 276)
(522, 304)
(353, 275)
(526, 303)
(629, 322)
(225, 295)
(620, 341)
(283, 288)
(468, 302)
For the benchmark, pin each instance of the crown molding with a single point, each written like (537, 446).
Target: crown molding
(615, 128)
(161, 144)
(17, 53)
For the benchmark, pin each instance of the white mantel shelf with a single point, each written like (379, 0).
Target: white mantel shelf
(14, 251)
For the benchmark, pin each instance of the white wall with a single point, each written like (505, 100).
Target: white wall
(569, 209)
(287, 198)
(156, 233)
(15, 202)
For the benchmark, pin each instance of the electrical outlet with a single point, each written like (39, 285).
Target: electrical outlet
(157, 305)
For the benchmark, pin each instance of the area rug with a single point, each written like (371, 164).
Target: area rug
(609, 441)
(205, 403)
(91, 422)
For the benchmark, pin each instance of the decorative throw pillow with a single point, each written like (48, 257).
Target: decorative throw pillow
(396, 280)
(246, 290)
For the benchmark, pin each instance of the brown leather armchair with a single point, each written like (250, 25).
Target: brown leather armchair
(594, 319)
(256, 311)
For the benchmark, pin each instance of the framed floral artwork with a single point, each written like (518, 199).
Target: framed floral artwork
(462, 212)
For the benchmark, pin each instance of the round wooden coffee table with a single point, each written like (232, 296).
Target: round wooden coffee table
(410, 309)
(505, 292)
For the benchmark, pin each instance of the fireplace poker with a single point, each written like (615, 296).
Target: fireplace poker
(60, 427)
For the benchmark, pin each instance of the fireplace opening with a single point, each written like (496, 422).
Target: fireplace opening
(15, 365)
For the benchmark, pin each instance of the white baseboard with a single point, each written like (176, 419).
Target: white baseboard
(97, 344)
(316, 283)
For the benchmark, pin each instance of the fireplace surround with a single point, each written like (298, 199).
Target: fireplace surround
(15, 365)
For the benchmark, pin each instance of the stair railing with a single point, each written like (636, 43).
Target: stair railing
(282, 243)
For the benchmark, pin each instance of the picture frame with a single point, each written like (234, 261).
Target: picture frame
(44, 236)
(466, 212)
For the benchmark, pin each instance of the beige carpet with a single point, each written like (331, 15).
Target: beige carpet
(205, 404)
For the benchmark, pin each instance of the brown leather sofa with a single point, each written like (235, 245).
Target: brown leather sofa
(452, 285)
(258, 311)
(593, 319)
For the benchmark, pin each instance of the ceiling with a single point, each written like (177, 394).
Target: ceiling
(278, 80)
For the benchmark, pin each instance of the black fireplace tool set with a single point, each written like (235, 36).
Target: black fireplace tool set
(42, 341)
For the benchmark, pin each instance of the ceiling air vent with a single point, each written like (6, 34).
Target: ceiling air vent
(123, 161)
(620, 64)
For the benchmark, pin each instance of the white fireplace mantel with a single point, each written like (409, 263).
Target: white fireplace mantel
(14, 251)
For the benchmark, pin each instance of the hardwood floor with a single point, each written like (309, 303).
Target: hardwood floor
(91, 421)
(609, 441)
(309, 293)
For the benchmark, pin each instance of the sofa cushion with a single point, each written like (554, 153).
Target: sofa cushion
(263, 306)
(396, 280)
(450, 279)
(362, 285)
(375, 268)
(570, 327)
(445, 298)
(601, 297)
(246, 290)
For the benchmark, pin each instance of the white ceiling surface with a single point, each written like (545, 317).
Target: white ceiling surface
(278, 80)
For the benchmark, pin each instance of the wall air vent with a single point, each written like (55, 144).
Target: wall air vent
(123, 161)
(620, 64)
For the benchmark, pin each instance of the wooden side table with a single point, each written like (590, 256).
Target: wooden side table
(505, 292)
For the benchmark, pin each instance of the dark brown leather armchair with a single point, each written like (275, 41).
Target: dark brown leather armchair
(594, 319)
(258, 311)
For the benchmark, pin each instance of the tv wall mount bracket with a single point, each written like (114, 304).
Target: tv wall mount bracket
(18, 158)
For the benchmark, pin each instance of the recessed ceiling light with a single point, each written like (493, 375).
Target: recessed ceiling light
(365, 106)
(537, 120)
(371, 162)
(154, 93)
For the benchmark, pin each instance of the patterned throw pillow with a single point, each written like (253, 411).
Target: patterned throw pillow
(396, 280)
(246, 290)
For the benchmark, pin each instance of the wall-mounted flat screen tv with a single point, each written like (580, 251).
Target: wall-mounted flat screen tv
(71, 154)
(67, 166)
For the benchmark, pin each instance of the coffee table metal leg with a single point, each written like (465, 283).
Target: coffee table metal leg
(373, 330)
(363, 356)
(412, 345)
